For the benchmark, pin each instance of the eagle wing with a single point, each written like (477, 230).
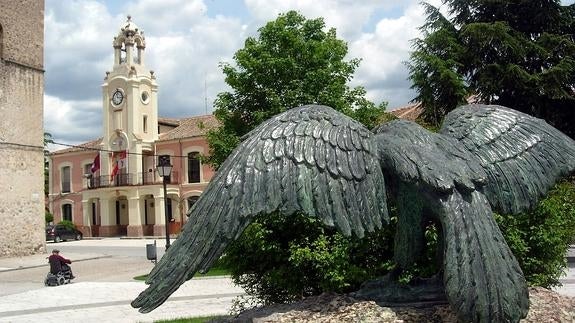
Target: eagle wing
(523, 156)
(310, 159)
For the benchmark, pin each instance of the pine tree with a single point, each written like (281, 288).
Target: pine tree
(516, 53)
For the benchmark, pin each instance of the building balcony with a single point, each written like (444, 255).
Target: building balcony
(130, 179)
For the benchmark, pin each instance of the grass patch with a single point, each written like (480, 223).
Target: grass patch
(202, 319)
(216, 270)
(141, 277)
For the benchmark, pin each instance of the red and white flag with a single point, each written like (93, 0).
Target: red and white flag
(114, 170)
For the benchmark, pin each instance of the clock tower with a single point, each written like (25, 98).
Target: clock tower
(130, 105)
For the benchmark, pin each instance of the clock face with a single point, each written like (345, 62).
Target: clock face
(117, 97)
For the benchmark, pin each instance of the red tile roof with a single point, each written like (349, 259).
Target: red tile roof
(169, 121)
(87, 146)
(408, 112)
(191, 127)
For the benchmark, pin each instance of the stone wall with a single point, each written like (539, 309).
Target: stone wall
(23, 25)
(21, 127)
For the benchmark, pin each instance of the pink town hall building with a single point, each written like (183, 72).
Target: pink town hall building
(110, 186)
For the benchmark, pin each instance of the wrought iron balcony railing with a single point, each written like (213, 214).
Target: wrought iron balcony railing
(129, 179)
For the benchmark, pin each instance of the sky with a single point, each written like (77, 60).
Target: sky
(186, 40)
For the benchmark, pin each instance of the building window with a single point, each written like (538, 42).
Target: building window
(65, 178)
(87, 169)
(67, 212)
(194, 167)
(145, 125)
(89, 176)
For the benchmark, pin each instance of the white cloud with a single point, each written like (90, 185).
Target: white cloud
(71, 121)
(383, 52)
(166, 16)
(185, 47)
(347, 16)
(186, 64)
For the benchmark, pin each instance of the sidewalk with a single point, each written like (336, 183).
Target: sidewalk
(24, 298)
(103, 301)
(110, 302)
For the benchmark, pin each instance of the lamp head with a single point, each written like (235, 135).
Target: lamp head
(164, 167)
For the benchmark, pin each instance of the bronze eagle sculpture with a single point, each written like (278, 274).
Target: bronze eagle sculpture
(317, 161)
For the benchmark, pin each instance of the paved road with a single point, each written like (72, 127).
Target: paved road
(104, 287)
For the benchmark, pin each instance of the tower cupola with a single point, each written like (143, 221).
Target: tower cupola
(129, 45)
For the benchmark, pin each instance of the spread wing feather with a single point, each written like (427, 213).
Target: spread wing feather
(523, 156)
(288, 164)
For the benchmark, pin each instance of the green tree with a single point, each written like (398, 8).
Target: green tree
(517, 53)
(293, 61)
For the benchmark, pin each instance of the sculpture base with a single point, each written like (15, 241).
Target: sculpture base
(386, 291)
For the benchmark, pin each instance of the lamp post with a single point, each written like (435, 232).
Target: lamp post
(164, 169)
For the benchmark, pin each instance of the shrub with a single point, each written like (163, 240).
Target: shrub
(48, 217)
(67, 224)
(281, 259)
(540, 238)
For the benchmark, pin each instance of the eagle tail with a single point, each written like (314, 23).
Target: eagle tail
(482, 278)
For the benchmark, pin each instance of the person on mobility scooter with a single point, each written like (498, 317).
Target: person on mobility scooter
(60, 271)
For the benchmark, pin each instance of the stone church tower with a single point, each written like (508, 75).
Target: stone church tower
(21, 127)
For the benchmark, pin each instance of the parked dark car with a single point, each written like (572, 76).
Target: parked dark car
(62, 233)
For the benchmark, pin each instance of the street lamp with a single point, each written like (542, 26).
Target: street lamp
(164, 169)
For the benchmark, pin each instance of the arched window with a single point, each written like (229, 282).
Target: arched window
(67, 212)
(194, 167)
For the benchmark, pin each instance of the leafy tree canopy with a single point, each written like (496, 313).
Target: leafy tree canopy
(517, 53)
(293, 61)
